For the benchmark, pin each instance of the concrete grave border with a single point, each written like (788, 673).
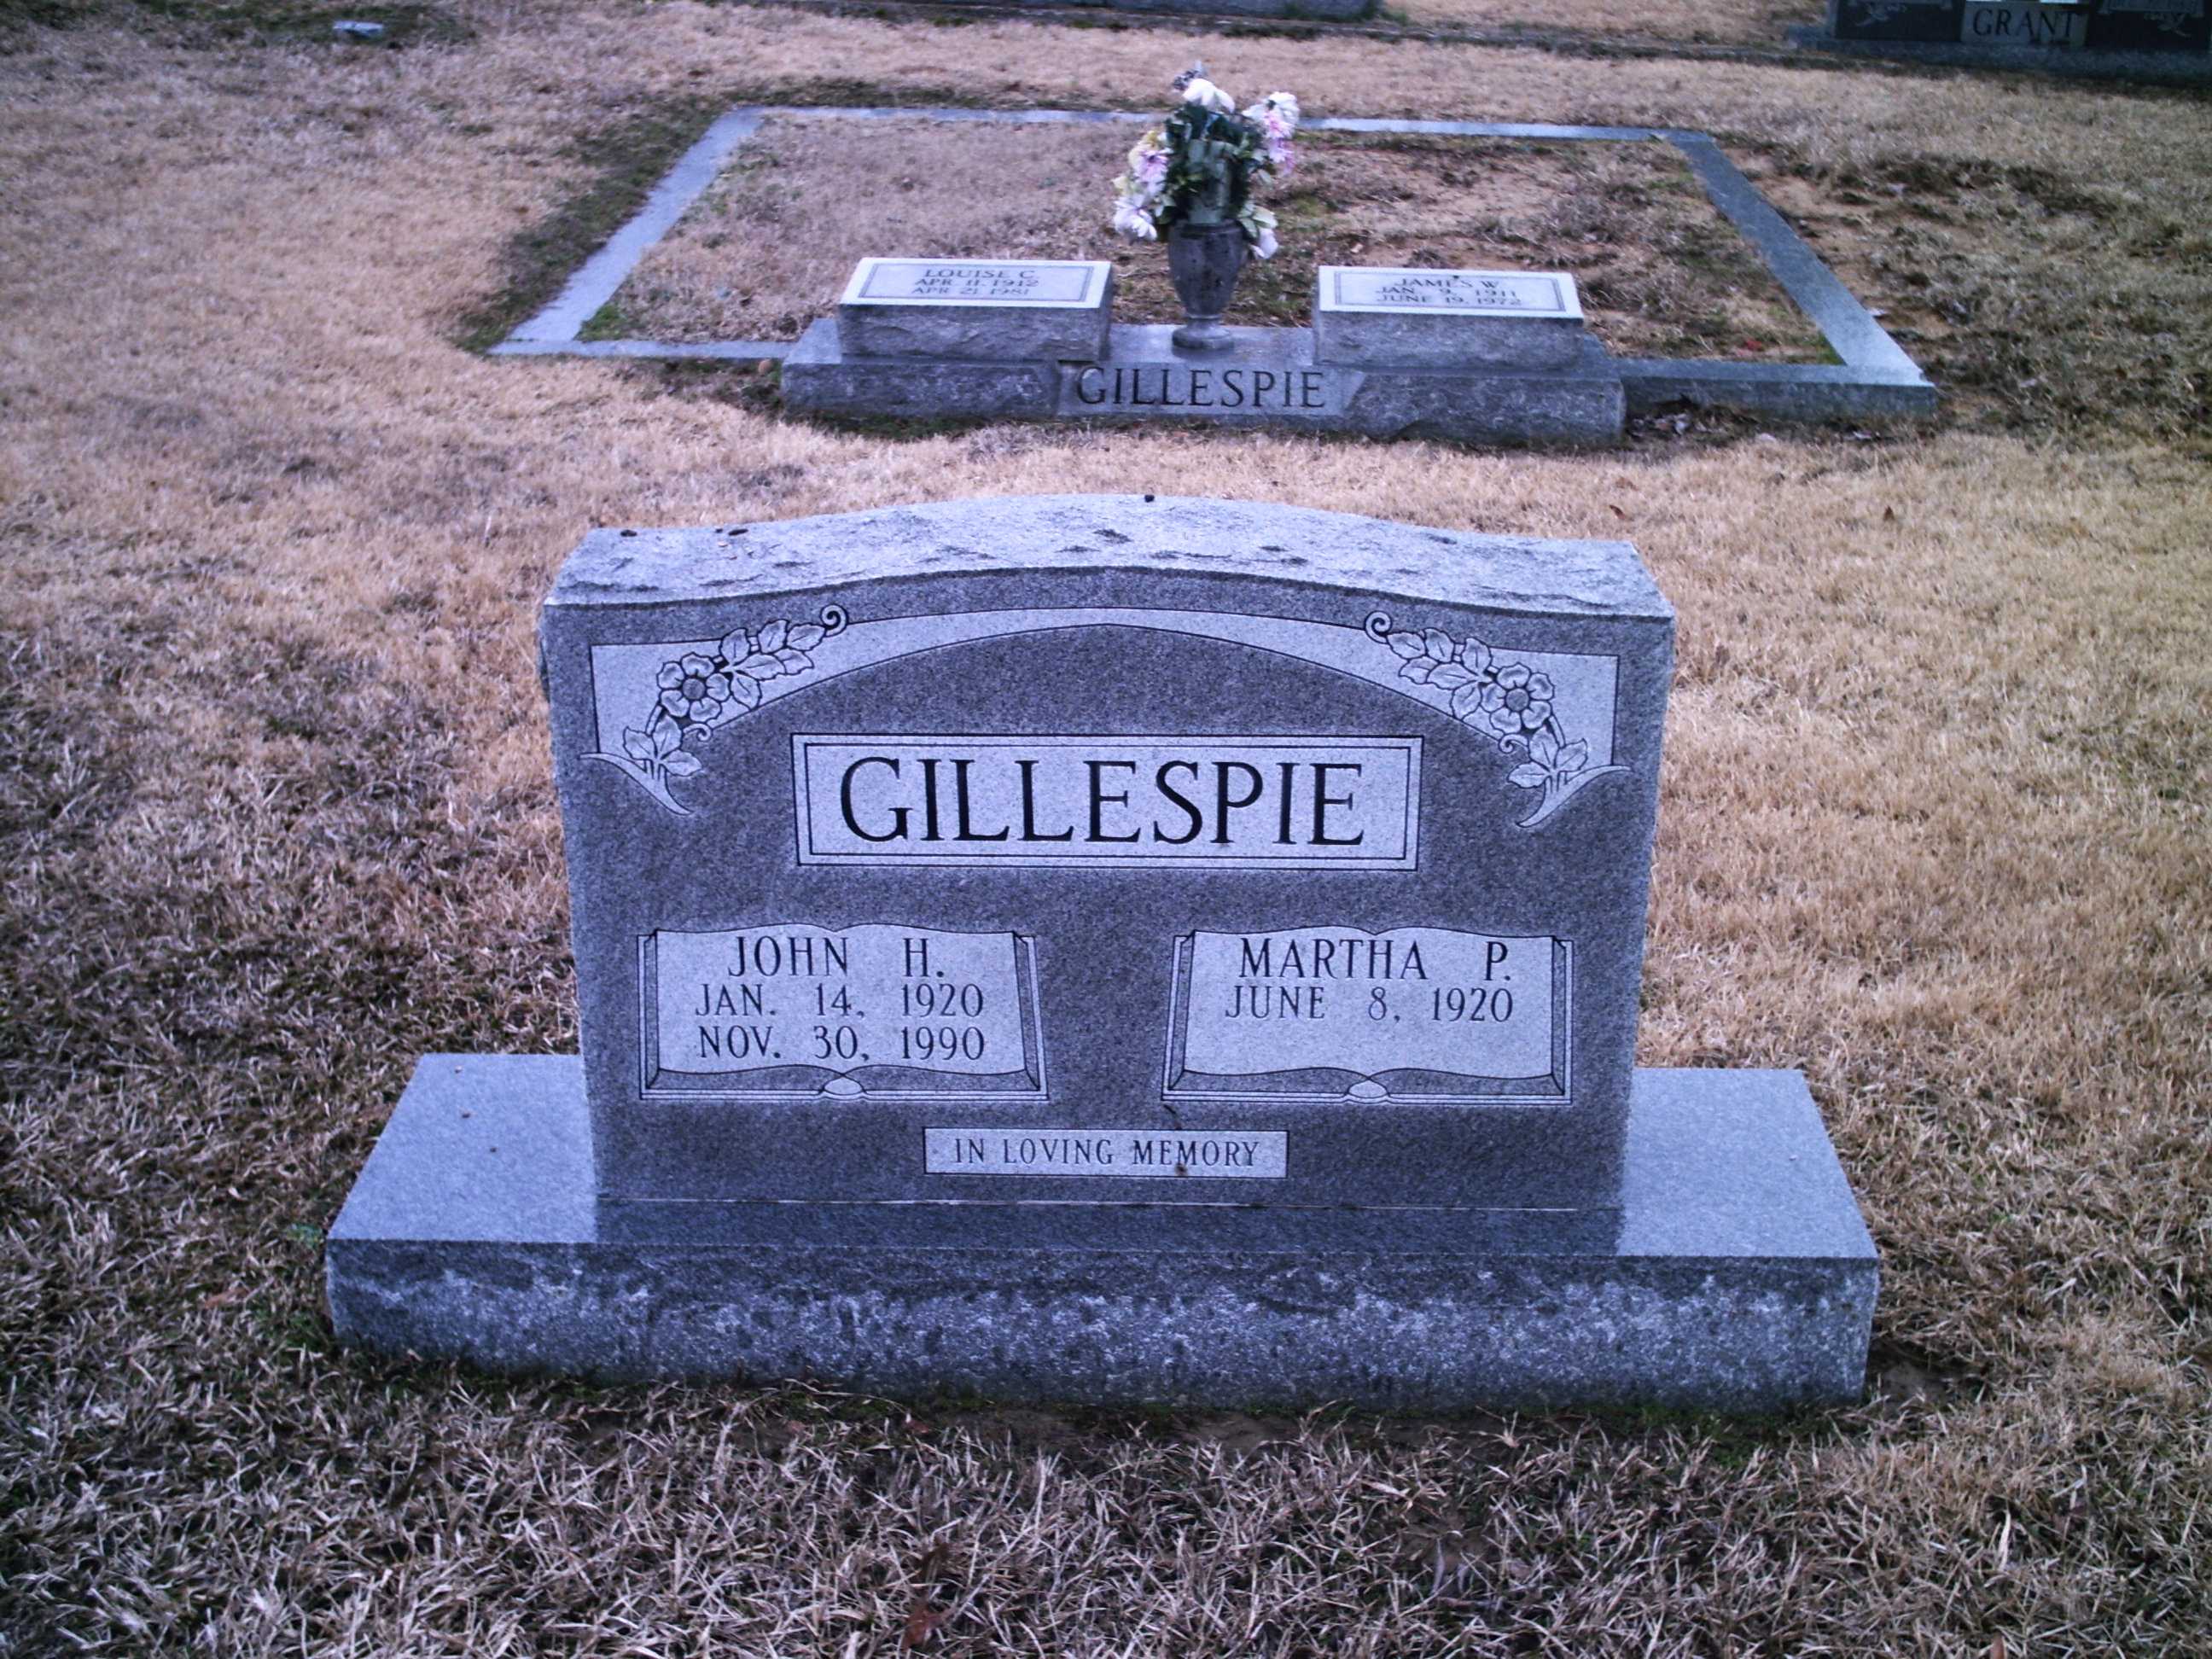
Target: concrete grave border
(1875, 377)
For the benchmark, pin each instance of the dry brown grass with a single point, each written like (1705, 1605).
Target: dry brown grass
(769, 248)
(276, 818)
(1690, 22)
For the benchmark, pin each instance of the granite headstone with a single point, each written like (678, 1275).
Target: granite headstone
(876, 877)
(1176, 894)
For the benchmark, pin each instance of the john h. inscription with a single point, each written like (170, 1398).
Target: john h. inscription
(879, 1010)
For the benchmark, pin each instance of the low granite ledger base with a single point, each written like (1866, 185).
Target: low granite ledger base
(1743, 1279)
(1269, 377)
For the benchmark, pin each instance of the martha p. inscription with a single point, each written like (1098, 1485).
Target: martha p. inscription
(1416, 1013)
(839, 1013)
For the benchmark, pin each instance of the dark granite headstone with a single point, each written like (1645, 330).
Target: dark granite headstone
(1896, 19)
(1242, 888)
(2160, 26)
(2116, 37)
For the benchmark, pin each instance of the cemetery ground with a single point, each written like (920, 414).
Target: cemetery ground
(276, 818)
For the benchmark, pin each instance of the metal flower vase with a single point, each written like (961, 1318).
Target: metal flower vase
(1203, 261)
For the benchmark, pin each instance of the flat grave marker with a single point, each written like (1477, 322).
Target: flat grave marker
(1529, 320)
(1005, 309)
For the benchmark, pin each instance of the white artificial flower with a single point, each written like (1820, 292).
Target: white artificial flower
(1203, 93)
(1276, 117)
(1266, 247)
(1133, 224)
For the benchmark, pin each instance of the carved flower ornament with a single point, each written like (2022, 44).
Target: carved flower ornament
(693, 689)
(697, 689)
(698, 692)
(1507, 701)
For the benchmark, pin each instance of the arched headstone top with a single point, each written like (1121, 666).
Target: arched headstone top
(1177, 534)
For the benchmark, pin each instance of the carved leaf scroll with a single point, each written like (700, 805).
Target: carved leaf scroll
(1505, 700)
(698, 691)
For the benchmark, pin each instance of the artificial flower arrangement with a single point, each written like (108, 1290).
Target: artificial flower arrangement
(1198, 166)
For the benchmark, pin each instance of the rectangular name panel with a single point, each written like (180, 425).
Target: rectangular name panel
(1180, 388)
(978, 281)
(1118, 802)
(879, 1011)
(1453, 293)
(1147, 1154)
(1413, 1014)
(2057, 28)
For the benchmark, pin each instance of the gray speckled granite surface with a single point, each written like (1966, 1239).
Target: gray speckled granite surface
(1189, 533)
(1744, 1279)
(1026, 633)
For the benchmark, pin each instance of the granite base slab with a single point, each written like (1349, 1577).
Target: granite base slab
(819, 379)
(1269, 377)
(1741, 1278)
(1786, 392)
(1447, 341)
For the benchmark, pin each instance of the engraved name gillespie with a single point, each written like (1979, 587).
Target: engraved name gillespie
(889, 798)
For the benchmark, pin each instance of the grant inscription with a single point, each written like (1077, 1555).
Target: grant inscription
(2053, 28)
(875, 1010)
(1150, 1154)
(1412, 1013)
(1125, 802)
